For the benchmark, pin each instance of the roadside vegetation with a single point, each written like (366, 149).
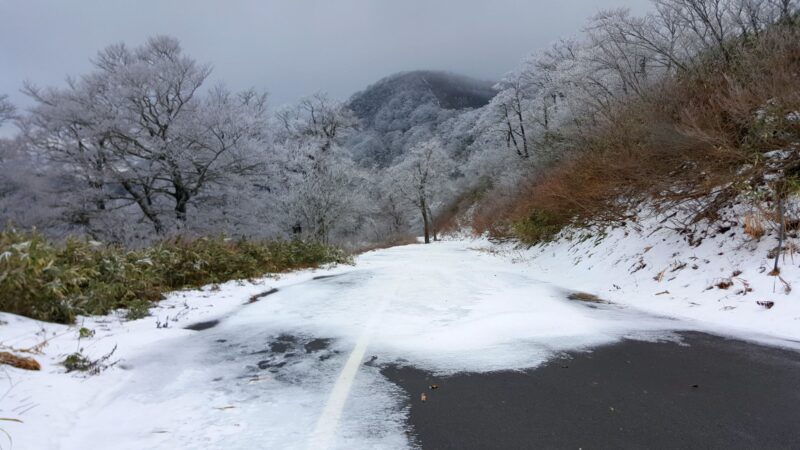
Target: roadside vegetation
(715, 131)
(56, 282)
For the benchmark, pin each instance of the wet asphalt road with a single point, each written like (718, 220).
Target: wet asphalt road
(707, 392)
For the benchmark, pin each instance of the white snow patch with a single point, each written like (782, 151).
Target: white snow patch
(654, 269)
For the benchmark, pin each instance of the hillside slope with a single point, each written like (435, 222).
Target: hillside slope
(720, 278)
(403, 109)
(391, 103)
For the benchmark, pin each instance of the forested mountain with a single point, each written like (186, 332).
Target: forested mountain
(390, 104)
(403, 108)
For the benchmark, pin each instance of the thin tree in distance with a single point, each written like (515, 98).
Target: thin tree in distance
(422, 177)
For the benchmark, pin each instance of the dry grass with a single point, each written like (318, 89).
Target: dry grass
(56, 282)
(450, 219)
(585, 297)
(696, 141)
(20, 362)
(754, 225)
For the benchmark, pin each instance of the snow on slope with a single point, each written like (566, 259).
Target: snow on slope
(716, 284)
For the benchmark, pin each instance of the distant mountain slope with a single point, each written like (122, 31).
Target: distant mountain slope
(399, 96)
(402, 109)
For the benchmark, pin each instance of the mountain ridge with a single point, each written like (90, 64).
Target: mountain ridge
(406, 91)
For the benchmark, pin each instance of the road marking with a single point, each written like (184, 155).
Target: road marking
(324, 434)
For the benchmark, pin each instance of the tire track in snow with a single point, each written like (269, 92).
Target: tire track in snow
(324, 435)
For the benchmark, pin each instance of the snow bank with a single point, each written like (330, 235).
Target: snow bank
(714, 280)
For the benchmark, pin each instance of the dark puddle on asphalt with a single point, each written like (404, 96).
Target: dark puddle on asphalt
(372, 362)
(281, 353)
(316, 345)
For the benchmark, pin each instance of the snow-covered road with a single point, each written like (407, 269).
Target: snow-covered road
(300, 368)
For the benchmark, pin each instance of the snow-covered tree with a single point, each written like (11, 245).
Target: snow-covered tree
(26, 188)
(323, 188)
(422, 178)
(7, 109)
(330, 197)
(138, 133)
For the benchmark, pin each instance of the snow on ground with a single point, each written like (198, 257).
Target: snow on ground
(270, 374)
(49, 402)
(715, 284)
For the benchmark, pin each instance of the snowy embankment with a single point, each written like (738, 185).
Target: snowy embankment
(720, 279)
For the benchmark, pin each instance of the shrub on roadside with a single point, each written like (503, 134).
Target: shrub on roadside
(538, 226)
(50, 282)
(392, 241)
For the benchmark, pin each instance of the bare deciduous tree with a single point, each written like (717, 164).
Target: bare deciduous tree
(421, 178)
(138, 133)
(323, 185)
(7, 110)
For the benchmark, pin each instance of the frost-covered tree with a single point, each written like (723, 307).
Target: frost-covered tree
(511, 109)
(657, 40)
(323, 188)
(320, 119)
(26, 182)
(138, 133)
(393, 211)
(714, 24)
(329, 198)
(405, 109)
(7, 109)
(422, 178)
(26, 188)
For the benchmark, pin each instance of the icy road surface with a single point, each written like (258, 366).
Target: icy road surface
(301, 367)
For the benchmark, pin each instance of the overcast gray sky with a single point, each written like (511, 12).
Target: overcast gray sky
(290, 48)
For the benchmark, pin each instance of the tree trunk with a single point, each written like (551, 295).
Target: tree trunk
(781, 226)
(100, 202)
(425, 221)
(322, 230)
(525, 153)
(181, 201)
(433, 225)
(180, 209)
(145, 206)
